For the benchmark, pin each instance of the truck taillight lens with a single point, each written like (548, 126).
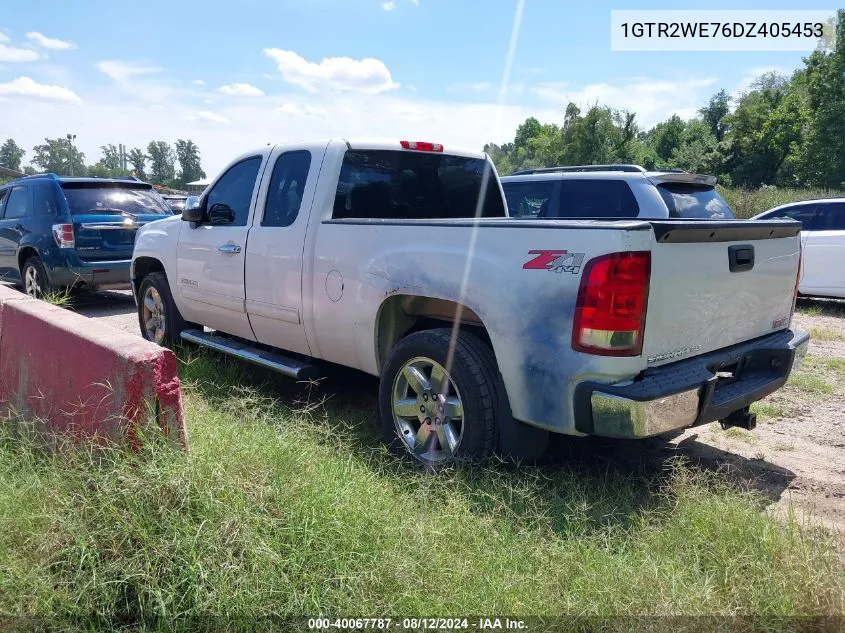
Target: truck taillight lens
(611, 306)
(63, 234)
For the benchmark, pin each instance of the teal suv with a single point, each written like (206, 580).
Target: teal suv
(72, 233)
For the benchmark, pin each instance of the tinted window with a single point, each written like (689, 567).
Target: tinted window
(590, 198)
(831, 217)
(17, 203)
(805, 214)
(687, 200)
(528, 199)
(235, 189)
(85, 198)
(415, 185)
(3, 195)
(286, 188)
(45, 202)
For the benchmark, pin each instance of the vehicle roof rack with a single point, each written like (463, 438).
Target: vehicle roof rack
(566, 168)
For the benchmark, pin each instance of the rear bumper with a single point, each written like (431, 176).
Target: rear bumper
(101, 275)
(690, 392)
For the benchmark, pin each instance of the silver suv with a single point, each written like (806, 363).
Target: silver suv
(613, 191)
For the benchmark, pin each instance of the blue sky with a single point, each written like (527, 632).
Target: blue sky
(232, 75)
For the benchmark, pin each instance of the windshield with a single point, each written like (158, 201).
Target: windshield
(687, 200)
(82, 200)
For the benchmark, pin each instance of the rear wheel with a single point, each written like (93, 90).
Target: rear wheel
(435, 412)
(159, 318)
(35, 281)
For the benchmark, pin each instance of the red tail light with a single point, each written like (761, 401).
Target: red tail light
(611, 306)
(422, 146)
(63, 234)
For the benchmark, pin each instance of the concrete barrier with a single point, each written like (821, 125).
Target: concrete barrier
(83, 378)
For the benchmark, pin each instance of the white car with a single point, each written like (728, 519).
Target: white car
(399, 259)
(823, 242)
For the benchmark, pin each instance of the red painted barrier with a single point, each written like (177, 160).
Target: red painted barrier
(81, 377)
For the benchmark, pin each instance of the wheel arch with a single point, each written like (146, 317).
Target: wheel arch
(143, 266)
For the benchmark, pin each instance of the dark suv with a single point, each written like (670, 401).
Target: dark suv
(58, 233)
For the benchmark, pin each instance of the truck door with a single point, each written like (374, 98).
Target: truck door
(210, 257)
(276, 244)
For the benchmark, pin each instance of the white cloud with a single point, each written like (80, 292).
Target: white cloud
(479, 86)
(198, 82)
(11, 54)
(415, 2)
(241, 90)
(367, 75)
(291, 109)
(26, 87)
(207, 115)
(389, 5)
(753, 75)
(653, 100)
(49, 42)
(122, 72)
(3, 37)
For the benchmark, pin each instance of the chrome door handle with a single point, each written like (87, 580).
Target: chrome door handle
(229, 248)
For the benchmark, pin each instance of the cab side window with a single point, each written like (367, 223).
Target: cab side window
(235, 188)
(831, 217)
(287, 186)
(17, 203)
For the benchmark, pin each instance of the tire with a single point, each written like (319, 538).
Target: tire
(416, 428)
(34, 277)
(156, 308)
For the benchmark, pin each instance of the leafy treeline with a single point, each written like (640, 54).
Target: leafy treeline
(162, 164)
(784, 131)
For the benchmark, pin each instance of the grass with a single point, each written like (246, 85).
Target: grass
(61, 298)
(290, 505)
(769, 410)
(749, 202)
(826, 334)
(809, 383)
(836, 365)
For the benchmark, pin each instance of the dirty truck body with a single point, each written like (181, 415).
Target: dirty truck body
(367, 254)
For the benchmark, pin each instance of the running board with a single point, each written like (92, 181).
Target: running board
(295, 368)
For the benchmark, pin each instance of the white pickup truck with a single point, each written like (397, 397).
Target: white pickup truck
(488, 333)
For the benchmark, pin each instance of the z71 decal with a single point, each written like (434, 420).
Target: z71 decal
(556, 261)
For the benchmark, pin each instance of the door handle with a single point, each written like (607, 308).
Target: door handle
(229, 248)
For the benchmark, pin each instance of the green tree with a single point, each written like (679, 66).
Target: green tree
(138, 159)
(188, 155)
(11, 155)
(697, 150)
(714, 113)
(666, 137)
(111, 157)
(60, 156)
(162, 163)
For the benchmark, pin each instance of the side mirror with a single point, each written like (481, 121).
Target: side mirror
(193, 210)
(221, 213)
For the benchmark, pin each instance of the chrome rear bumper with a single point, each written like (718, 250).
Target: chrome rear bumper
(690, 392)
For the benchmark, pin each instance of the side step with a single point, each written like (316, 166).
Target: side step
(295, 368)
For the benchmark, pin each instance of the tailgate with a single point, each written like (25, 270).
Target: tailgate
(106, 237)
(716, 284)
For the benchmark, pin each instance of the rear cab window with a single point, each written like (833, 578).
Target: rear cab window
(694, 201)
(596, 198)
(415, 185)
(93, 198)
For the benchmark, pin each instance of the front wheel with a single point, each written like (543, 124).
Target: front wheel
(35, 281)
(159, 318)
(437, 412)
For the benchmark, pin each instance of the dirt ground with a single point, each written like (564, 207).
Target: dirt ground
(795, 456)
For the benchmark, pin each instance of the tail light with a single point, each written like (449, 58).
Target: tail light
(422, 146)
(611, 306)
(63, 234)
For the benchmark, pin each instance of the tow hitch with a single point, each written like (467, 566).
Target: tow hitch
(743, 418)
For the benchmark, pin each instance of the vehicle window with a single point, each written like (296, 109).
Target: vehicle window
(45, 202)
(287, 185)
(235, 189)
(688, 200)
(3, 195)
(99, 198)
(589, 198)
(415, 185)
(16, 205)
(805, 214)
(831, 217)
(528, 199)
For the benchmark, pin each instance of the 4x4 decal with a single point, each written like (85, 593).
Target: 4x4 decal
(556, 261)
